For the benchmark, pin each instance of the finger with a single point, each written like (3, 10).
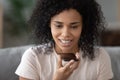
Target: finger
(75, 65)
(67, 66)
(59, 62)
(71, 70)
(77, 56)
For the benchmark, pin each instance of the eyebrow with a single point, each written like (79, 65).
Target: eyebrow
(72, 23)
(58, 22)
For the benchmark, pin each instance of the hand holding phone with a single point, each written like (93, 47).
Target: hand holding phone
(66, 57)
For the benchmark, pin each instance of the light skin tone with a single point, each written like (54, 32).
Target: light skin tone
(66, 28)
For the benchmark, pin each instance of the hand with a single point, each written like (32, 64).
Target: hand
(63, 72)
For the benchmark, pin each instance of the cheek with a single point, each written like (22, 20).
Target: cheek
(54, 32)
(77, 34)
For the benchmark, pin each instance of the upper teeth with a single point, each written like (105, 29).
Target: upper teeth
(65, 41)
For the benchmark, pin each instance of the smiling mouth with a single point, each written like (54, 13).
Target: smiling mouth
(65, 42)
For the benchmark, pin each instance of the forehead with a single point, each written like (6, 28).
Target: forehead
(67, 15)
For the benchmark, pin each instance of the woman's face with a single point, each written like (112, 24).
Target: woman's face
(66, 28)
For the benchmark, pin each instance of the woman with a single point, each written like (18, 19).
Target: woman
(65, 27)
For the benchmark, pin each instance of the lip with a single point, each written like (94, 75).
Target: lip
(65, 44)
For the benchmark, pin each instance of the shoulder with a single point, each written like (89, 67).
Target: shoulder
(100, 52)
(103, 59)
(104, 64)
(43, 48)
(38, 50)
(102, 56)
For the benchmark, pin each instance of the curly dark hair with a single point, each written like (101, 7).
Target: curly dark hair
(93, 21)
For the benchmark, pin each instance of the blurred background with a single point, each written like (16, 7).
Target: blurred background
(14, 15)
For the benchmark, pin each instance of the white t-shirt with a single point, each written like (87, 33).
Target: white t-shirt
(39, 63)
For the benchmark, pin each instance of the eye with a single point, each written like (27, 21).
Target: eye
(74, 26)
(58, 25)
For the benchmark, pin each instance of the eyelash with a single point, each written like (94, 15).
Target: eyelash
(60, 26)
(74, 27)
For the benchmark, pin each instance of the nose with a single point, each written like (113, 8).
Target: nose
(66, 32)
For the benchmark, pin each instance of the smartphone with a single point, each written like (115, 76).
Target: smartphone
(68, 56)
